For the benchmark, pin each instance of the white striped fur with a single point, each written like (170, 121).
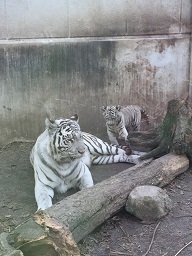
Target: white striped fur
(121, 119)
(62, 155)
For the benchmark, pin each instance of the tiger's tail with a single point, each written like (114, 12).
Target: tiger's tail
(145, 115)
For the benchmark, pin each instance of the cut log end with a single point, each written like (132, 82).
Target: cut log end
(40, 236)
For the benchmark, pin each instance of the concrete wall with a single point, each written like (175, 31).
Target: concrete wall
(65, 57)
(86, 18)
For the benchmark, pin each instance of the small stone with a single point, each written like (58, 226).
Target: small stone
(148, 203)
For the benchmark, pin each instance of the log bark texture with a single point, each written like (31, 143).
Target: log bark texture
(76, 216)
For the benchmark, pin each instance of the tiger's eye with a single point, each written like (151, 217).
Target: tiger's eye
(63, 149)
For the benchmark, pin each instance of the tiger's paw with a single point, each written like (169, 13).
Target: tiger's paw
(128, 151)
(133, 159)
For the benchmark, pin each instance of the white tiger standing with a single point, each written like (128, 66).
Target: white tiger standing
(61, 157)
(120, 119)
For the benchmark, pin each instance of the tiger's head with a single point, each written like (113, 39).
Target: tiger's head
(112, 114)
(66, 140)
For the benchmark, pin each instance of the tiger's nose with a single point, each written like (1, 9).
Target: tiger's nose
(81, 151)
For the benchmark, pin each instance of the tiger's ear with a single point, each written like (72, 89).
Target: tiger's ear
(75, 118)
(118, 107)
(103, 108)
(50, 124)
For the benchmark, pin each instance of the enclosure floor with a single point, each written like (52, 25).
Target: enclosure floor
(122, 234)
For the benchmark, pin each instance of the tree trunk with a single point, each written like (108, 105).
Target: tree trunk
(175, 133)
(56, 230)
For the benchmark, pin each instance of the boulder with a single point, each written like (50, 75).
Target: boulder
(148, 203)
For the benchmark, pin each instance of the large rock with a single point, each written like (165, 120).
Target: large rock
(148, 203)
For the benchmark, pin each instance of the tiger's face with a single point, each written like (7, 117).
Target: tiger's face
(112, 114)
(66, 139)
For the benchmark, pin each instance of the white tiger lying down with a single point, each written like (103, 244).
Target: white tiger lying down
(62, 155)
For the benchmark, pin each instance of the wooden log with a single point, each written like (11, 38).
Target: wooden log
(54, 229)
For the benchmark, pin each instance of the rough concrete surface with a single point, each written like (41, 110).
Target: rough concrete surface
(122, 234)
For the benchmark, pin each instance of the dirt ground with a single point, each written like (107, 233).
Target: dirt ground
(122, 234)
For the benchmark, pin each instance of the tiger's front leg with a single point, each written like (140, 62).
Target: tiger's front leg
(112, 137)
(121, 158)
(124, 136)
(86, 180)
(43, 195)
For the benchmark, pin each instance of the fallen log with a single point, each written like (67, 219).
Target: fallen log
(56, 230)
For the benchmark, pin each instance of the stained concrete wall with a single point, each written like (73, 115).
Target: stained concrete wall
(63, 57)
(86, 18)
